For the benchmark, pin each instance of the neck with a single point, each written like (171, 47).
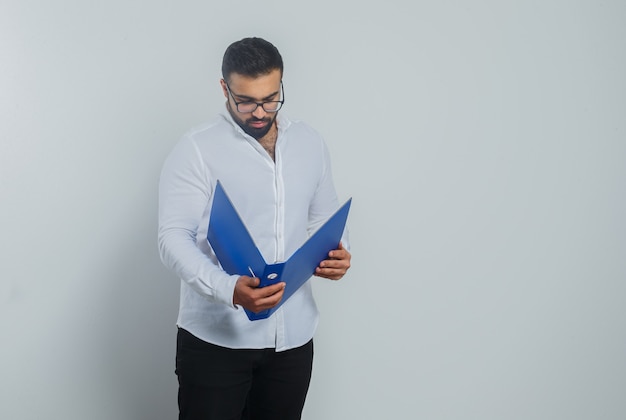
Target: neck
(268, 141)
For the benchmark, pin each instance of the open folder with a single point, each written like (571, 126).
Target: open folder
(237, 253)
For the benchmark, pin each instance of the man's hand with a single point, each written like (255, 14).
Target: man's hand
(255, 299)
(336, 265)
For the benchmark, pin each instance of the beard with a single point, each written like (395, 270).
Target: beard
(254, 132)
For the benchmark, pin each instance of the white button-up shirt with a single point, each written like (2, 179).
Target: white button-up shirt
(281, 202)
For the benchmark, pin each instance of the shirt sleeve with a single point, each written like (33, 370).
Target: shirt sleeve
(184, 193)
(325, 201)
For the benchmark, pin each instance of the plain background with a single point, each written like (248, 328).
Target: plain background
(483, 143)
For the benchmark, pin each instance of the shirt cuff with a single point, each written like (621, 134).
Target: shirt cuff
(226, 289)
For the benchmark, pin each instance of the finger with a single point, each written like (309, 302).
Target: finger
(271, 290)
(343, 263)
(339, 254)
(336, 254)
(334, 264)
(271, 300)
(328, 277)
(251, 281)
(332, 270)
(330, 273)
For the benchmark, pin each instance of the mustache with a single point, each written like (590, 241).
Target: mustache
(255, 119)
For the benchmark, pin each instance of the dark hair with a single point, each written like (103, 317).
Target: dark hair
(251, 57)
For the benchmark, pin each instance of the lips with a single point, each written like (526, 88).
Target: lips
(257, 124)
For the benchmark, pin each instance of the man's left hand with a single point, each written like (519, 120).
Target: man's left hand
(336, 265)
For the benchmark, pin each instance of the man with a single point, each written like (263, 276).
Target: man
(277, 174)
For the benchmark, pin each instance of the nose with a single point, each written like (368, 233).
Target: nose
(259, 112)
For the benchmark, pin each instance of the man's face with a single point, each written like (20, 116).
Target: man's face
(248, 89)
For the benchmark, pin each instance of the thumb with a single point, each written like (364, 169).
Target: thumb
(252, 281)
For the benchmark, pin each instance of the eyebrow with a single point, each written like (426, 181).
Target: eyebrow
(249, 98)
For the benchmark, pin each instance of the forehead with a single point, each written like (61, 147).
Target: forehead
(255, 87)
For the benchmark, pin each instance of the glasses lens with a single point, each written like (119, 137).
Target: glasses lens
(272, 106)
(246, 107)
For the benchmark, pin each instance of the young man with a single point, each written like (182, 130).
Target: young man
(277, 173)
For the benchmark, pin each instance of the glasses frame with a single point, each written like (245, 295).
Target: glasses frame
(262, 104)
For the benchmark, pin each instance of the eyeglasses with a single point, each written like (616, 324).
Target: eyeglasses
(246, 107)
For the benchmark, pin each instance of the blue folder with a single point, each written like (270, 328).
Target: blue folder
(237, 253)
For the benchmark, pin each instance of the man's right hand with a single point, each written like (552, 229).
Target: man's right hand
(254, 298)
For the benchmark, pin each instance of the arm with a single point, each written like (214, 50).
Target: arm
(185, 190)
(184, 193)
(325, 203)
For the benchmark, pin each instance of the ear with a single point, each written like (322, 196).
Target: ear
(224, 88)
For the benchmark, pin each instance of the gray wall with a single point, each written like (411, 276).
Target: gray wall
(484, 146)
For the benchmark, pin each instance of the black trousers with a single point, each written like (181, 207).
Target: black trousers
(217, 383)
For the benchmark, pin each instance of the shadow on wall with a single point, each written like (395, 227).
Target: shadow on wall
(138, 313)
